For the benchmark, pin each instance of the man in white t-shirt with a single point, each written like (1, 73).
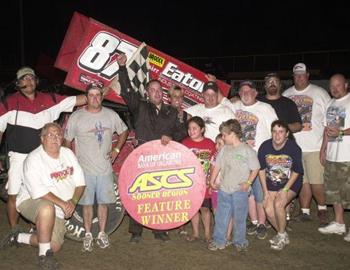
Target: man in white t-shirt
(335, 154)
(53, 184)
(255, 118)
(212, 112)
(311, 101)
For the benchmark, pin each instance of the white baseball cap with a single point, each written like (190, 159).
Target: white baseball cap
(299, 68)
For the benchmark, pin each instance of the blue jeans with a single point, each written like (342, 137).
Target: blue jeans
(231, 205)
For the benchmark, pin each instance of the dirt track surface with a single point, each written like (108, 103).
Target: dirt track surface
(308, 250)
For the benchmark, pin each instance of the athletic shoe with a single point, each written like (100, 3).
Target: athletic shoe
(323, 217)
(347, 237)
(87, 242)
(162, 236)
(280, 243)
(267, 225)
(275, 239)
(303, 217)
(213, 246)
(135, 238)
(102, 240)
(48, 261)
(10, 239)
(333, 228)
(242, 249)
(228, 243)
(261, 232)
(251, 228)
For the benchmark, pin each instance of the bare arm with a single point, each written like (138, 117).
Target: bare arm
(115, 151)
(295, 127)
(78, 192)
(245, 185)
(213, 176)
(81, 100)
(323, 148)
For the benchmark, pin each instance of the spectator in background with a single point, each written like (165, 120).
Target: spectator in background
(212, 112)
(285, 108)
(176, 98)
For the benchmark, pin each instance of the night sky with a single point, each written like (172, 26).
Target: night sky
(181, 29)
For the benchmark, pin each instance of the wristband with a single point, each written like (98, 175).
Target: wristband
(341, 134)
(117, 150)
(249, 183)
(285, 189)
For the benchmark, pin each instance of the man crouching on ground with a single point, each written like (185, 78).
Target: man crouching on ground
(53, 184)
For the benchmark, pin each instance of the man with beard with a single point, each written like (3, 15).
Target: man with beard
(285, 108)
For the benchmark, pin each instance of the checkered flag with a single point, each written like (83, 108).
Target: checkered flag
(138, 70)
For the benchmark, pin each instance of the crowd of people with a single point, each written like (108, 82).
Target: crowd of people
(258, 152)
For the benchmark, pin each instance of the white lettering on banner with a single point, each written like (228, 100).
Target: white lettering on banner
(171, 71)
(102, 48)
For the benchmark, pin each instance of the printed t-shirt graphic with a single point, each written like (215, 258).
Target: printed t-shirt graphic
(249, 122)
(335, 117)
(304, 104)
(279, 168)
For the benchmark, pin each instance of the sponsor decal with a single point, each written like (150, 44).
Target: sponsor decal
(156, 60)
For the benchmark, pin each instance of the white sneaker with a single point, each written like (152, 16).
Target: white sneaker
(88, 242)
(275, 239)
(333, 228)
(281, 242)
(102, 240)
(347, 237)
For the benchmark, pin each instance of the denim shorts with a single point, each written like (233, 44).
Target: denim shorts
(257, 191)
(101, 186)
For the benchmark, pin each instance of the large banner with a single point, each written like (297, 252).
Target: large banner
(88, 54)
(162, 187)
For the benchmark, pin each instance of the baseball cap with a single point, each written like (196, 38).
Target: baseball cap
(249, 83)
(271, 75)
(210, 85)
(24, 71)
(94, 86)
(299, 68)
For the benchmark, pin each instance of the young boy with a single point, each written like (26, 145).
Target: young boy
(238, 165)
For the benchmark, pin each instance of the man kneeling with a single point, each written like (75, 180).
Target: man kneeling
(53, 183)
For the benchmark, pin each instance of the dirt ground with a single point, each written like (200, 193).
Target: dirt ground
(308, 250)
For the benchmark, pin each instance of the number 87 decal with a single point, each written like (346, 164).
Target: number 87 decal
(97, 57)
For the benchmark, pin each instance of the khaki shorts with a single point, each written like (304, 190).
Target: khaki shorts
(313, 170)
(30, 208)
(337, 183)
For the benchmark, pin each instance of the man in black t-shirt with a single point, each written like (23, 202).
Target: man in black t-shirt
(285, 108)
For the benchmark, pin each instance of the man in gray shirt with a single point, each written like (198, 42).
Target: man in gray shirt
(92, 129)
